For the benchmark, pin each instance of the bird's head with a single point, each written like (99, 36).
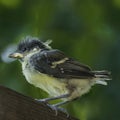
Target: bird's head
(29, 46)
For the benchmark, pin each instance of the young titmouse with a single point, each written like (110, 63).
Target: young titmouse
(51, 70)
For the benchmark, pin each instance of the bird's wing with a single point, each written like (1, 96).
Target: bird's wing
(55, 63)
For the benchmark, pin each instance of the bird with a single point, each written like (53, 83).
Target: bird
(51, 70)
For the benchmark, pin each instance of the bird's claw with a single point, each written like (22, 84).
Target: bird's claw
(56, 109)
(64, 110)
(53, 107)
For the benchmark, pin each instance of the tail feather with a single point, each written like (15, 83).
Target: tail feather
(101, 77)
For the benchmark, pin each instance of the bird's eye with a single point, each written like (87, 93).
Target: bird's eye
(24, 49)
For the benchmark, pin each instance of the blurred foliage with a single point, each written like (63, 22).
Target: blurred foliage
(87, 30)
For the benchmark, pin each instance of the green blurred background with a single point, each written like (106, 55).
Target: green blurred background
(88, 30)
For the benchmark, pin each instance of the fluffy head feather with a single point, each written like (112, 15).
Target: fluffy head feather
(31, 42)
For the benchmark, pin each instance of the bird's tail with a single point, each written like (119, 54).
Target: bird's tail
(101, 77)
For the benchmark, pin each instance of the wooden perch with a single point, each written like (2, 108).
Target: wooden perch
(15, 106)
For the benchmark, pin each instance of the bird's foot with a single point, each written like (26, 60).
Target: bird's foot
(64, 110)
(56, 109)
(53, 108)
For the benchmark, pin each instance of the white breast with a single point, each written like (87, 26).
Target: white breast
(52, 86)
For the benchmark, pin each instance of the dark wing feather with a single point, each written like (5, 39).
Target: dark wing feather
(64, 67)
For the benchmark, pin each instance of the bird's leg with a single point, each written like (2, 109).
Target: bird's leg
(61, 103)
(56, 107)
(46, 100)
